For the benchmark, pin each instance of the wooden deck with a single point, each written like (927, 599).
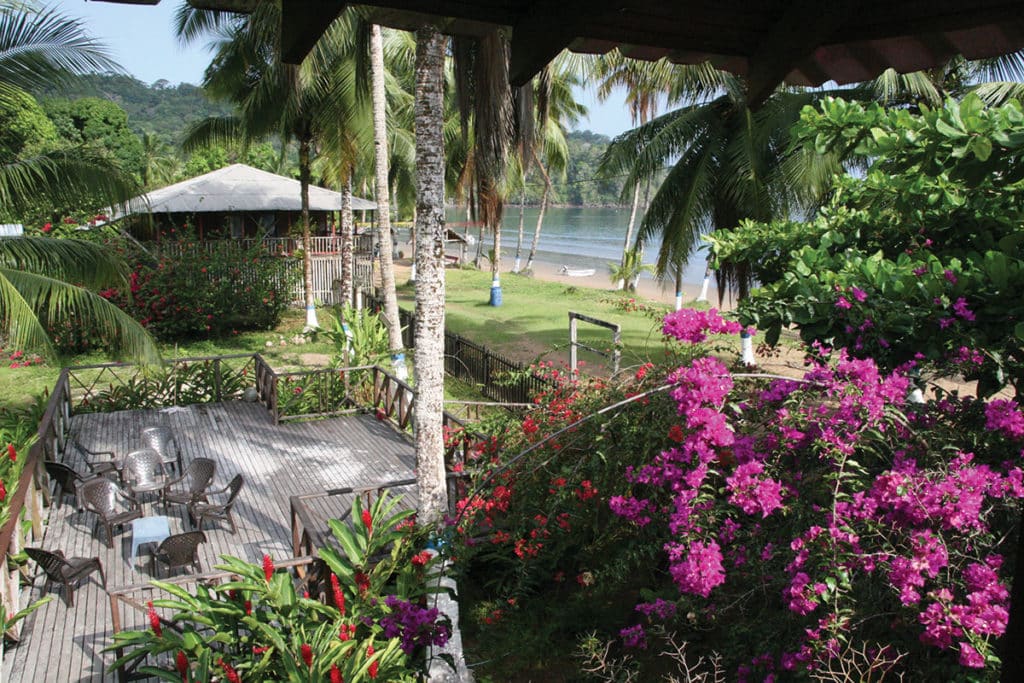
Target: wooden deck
(278, 461)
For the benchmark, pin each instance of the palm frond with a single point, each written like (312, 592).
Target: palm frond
(86, 263)
(999, 93)
(43, 47)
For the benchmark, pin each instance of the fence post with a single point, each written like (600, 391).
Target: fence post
(572, 343)
(217, 380)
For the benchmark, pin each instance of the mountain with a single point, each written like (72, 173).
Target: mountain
(160, 108)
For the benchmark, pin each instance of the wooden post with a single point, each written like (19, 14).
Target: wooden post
(572, 343)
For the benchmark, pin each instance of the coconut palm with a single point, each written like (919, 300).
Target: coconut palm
(296, 103)
(159, 163)
(36, 47)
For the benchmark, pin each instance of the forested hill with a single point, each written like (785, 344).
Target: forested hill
(160, 108)
(167, 110)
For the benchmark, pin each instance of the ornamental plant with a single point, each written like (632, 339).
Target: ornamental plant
(368, 619)
(920, 258)
(795, 526)
(198, 290)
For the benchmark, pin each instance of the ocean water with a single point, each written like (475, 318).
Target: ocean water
(590, 237)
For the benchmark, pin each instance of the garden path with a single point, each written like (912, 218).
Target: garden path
(278, 461)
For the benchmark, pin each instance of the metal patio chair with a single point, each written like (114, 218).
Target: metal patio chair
(178, 551)
(65, 570)
(111, 504)
(195, 481)
(198, 511)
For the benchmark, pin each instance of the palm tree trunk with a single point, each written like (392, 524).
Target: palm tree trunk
(346, 242)
(640, 247)
(430, 284)
(496, 264)
(540, 216)
(626, 245)
(307, 243)
(522, 216)
(380, 146)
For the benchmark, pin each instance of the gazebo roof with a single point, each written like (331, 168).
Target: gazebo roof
(239, 188)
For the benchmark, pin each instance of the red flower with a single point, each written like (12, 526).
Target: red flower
(47, 227)
(154, 620)
(368, 520)
(529, 426)
(339, 597)
(268, 567)
(381, 415)
(421, 558)
(348, 632)
(256, 650)
(363, 582)
(373, 667)
(181, 663)
(248, 608)
(11, 453)
(307, 655)
(336, 676)
(675, 432)
(229, 673)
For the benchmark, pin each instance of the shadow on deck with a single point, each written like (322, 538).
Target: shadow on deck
(278, 461)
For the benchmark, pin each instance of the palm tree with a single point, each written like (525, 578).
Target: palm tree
(272, 98)
(557, 109)
(36, 47)
(159, 164)
(644, 82)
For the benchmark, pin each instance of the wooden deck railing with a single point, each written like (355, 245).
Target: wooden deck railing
(26, 503)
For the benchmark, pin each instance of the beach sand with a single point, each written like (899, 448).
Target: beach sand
(549, 272)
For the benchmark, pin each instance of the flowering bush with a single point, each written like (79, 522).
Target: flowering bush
(17, 434)
(367, 620)
(198, 290)
(785, 525)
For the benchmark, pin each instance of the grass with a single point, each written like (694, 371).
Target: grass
(533, 322)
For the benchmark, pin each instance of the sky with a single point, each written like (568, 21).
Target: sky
(141, 39)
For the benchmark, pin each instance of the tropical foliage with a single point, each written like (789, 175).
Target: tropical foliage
(917, 261)
(799, 528)
(368, 618)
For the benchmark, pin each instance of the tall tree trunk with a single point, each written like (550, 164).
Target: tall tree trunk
(496, 263)
(522, 217)
(307, 243)
(540, 216)
(626, 245)
(380, 146)
(346, 241)
(430, 281)
(640, 247)
(478, 262)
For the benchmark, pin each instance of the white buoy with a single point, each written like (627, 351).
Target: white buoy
(747, 349)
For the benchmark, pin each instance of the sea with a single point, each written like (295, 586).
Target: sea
(576, 237)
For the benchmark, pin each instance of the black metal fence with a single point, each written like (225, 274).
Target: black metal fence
(499, 378)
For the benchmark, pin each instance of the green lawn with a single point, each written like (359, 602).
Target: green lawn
(533, 322)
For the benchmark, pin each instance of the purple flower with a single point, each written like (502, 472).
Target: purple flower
(960, 308)
(634, 637)
(970, 658)
(858, 294)
(752, 492)
(949, 275)
(842, 303)
(700, 571)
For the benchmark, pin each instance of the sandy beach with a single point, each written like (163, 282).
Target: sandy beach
(550, 272)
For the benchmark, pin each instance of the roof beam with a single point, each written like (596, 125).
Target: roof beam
(804, 26)
(545, 29)
(302, 24)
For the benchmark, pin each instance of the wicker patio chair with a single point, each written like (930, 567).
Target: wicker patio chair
(179, 550)
(111, 504)
(143, 472)
(163, 441)
(98, 462)
(195, 481)
(65, 570)
(198, 511)
(66, 481)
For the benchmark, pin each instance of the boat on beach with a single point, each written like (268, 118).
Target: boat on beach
(576, 272)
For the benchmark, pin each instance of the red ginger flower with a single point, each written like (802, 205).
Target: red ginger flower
(3, 492)
(268, 567)
(368, 521)
(339, 596)
(248, 608)
(154, 620)
(374, 665)
(307, 655)
(421, 558)
(256, 650)
(336, 676)
(11, 453)
(362, 581)
(181, 663)
(347, 632)
(229, 673)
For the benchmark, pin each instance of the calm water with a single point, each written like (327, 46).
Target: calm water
(576, 237)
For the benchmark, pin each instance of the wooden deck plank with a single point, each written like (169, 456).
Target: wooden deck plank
(277, 461)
